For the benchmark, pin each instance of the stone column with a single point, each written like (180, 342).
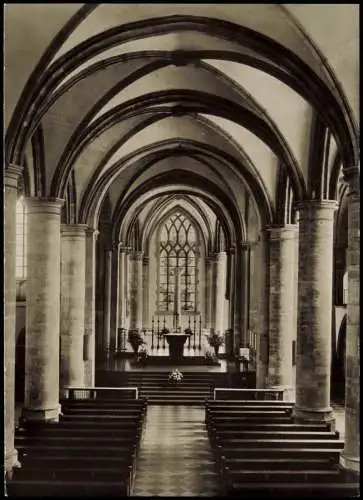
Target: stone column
(282, 290)
(229, 340)
(245, 283)
(138, 260)
(43, 306)
(219, 291)
(145, 299)
(350, 457)
(72, 304)
(208, 290)
(128, 271)
(121, 295)
(11, 175)
(114, 296)
(313, 357)
(107, 303)
(90, 308)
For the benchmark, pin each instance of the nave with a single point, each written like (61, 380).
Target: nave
(181, 192)
(175, 456)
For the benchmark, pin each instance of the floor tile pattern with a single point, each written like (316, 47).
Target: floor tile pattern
(175, 457)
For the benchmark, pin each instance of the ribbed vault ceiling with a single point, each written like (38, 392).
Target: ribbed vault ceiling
(251, 102)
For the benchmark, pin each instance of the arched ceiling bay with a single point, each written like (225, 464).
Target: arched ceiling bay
(223, 77)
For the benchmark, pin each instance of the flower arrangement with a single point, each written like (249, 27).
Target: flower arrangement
(135, 340)
(142, 354)
(175, 376)
(215, 340)
(188, 331)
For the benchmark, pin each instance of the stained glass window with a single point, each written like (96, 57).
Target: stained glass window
(178, 252)
(21, 237)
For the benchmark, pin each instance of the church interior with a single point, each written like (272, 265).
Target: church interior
(181, 250)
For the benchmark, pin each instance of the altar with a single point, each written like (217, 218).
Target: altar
(176, 343)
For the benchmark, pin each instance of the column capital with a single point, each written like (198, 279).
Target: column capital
(74, 230)
(278, 233)
(351, 177)
(138, 256)
(122, 248)
(316, 209)
(11, 175)
(209, 258)
(91, 231)
(44, 205)
(146, 260)
(245, 245)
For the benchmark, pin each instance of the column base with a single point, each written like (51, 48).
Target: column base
(11, 462)
(50, 415)
(350, 463)
(308, 415)
(289, 391)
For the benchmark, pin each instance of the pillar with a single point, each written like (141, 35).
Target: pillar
(107, 304)
(245, 289)
(350, 457)
(11, 176)
(145, 287)
(137, 291)
(43, 310)
(90, 308)
(114, 296)
(208, 290)
(72, 304)
(313, 356)
(128, 274)
(219, 291)
(229, 338)
(282, 317)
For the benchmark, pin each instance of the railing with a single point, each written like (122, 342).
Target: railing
(249, 394)
(100, 392)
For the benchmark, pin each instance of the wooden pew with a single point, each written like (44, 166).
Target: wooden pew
(222, 435)
(74, 451)
(334, 443)
(250, 426)
(35, 488)
(264, 463)
(280, 452)
(291, 490)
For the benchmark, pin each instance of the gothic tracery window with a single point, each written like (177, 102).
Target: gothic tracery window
(21, 239)
(178, 247)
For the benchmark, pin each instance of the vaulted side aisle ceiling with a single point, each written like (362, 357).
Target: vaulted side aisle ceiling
(221, 101)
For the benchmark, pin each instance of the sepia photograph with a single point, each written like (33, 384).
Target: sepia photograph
(181, 227)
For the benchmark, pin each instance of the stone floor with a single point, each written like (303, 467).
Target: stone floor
(175, 457)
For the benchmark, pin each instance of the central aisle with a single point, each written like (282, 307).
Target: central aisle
(175, 457)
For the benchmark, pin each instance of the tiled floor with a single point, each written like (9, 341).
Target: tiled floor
(175, 458)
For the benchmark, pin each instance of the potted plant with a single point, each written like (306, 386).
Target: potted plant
(135, 340)
(210, 357)
(175, 377)
(215, 340)
(188, 331)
